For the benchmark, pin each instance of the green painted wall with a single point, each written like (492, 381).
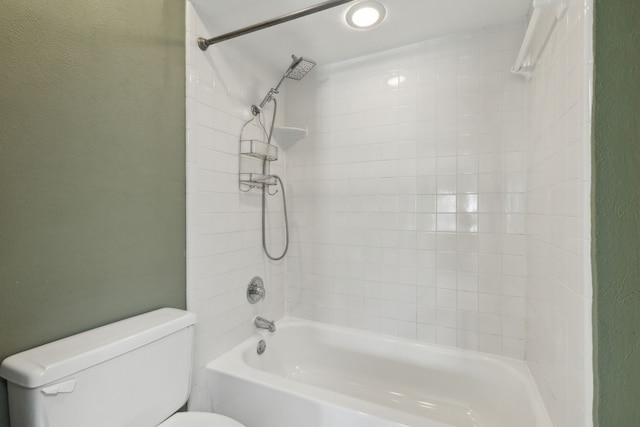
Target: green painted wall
(92, 167)
(616, 213)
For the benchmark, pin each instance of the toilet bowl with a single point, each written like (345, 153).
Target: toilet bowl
(199, 419)
(135, 372)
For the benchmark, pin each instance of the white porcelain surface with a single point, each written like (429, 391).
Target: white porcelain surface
(58, 359)
(199, 419)
(135, 372)
(320, 375)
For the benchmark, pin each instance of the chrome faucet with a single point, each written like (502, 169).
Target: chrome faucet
(263, 323)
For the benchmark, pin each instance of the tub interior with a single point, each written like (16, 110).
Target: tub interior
(444, 385)
(423, 392)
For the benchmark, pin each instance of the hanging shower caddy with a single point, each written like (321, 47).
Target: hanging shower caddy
(257, 149)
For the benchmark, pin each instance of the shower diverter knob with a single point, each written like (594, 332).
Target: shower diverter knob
(255, 290)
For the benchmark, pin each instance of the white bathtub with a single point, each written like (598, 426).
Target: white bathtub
(317, 375)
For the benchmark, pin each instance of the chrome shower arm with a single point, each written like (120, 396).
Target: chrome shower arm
(268, 97)
(256, 109)
(272, 91)
(205, 43)
(297, 70)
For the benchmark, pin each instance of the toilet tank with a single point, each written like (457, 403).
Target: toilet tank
(132, 373)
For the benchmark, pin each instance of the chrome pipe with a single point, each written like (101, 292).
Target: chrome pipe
(205, 43)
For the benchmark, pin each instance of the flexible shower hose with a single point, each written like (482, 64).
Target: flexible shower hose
(286, 222)
(264, 199)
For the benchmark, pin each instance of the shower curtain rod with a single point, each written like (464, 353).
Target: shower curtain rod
(205, 43)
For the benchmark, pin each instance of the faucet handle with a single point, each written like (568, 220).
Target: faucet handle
(255, 290)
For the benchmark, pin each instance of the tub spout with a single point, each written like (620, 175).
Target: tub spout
(263, 323)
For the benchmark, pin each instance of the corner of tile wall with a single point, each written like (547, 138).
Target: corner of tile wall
(559, 344)
(224, 246)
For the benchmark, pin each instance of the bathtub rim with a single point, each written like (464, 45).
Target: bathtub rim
(232, 363)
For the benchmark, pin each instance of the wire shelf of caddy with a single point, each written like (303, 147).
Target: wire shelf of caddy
(263, 152)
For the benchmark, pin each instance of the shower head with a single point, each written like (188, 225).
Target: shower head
(296, 71)
(299, 68)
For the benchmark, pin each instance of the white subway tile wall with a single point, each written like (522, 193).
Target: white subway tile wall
(559, 340)
(224, 246)
(437, 197)
(407, 199)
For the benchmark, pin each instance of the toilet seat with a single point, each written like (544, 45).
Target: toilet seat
(199, 419)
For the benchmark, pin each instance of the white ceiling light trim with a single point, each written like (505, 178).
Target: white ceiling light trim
(365, 15)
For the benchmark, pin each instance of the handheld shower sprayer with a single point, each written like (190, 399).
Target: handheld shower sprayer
(297, 70)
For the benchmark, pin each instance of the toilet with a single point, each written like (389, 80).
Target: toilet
(132, 373)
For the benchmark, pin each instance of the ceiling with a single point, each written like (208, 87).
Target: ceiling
(325, 37)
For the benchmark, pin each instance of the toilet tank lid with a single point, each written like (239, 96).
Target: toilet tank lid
(58, 359)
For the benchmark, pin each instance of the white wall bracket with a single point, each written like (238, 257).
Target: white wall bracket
(545, 16)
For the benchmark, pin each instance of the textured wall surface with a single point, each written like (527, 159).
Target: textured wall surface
(616, 207)
(92, 175)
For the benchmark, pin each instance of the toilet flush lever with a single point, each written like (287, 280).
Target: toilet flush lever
(65, 387)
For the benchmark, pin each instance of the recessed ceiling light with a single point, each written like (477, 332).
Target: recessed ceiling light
(365, 14)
